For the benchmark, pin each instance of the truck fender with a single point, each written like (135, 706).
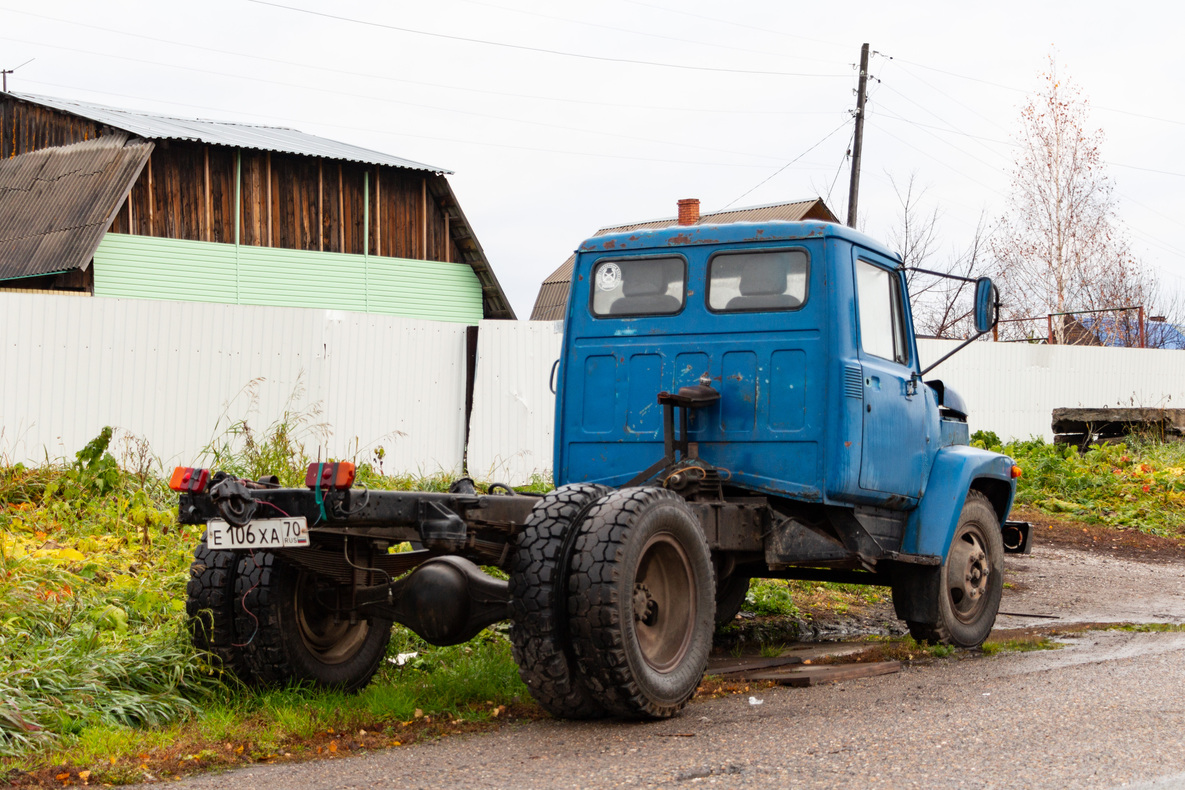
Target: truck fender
(956, 470)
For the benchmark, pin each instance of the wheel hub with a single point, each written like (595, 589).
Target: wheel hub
(332, 639)
(645, 607)
(969, 575)
(663, 602)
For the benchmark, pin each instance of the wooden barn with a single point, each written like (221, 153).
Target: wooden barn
(552, 299)
(119, 203)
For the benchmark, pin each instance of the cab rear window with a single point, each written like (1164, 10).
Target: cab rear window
(756, 281)
(639, 286)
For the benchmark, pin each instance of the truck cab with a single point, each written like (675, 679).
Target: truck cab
(804, 331)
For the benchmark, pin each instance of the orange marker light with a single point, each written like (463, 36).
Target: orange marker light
(332, 474)
(189, 479)
(1016, 471)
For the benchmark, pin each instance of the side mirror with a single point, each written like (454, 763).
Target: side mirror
(987, 304)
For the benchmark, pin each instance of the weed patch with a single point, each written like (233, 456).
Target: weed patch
(1139, 484)
(98, 679)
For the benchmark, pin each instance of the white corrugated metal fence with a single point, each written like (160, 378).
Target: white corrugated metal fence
(179, 374)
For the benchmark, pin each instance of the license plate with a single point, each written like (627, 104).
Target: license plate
(262, 533)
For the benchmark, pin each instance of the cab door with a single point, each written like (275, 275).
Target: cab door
(895, 426)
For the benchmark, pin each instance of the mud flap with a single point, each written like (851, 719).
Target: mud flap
(915, 592)
(1017, 536)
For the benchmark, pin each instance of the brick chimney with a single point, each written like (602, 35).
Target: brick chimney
(688, 211)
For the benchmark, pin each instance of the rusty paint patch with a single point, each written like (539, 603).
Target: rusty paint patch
(610, 244)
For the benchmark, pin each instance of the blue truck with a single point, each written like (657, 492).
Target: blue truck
(733, 402)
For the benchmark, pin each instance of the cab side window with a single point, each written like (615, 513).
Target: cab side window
(882, 319)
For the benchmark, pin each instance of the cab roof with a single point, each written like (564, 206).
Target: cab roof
(730, 233)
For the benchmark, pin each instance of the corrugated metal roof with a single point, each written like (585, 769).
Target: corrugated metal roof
(239, 135)
(552, 300)
(790, 212)
(56, 204)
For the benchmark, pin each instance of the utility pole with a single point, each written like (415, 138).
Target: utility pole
(858, 141)
(5, 72)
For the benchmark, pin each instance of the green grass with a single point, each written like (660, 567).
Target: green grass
(1139, 484)
(1020, 645)
(96, 666)
(1149, 628)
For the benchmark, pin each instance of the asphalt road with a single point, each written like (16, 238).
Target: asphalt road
(1107, 710)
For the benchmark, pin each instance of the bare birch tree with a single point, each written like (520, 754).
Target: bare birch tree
(1060, 247)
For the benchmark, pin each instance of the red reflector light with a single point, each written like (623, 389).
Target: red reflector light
(333, 474)
(189, 479)
(1016, 472)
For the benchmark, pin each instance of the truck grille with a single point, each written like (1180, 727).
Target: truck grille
(853, 382)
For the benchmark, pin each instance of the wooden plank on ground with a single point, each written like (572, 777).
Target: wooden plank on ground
(725, 665)
(825, 673)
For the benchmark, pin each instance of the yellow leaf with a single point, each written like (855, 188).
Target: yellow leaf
(73, 555)
(84, 775)
(333, 746)
(239, 749)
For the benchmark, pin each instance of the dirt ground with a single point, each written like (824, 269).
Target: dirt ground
(1077, 574)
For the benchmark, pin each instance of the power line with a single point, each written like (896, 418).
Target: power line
(542, 50)
(697, 42)
(783, 167)
(1148, 169)
(734, 23)
(434, 137)
(338, 93)
(946, 130)
(386, 78)
(936, 159)
(839, 169)
(1023, 90)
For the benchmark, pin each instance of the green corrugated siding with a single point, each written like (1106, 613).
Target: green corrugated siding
(141, 267)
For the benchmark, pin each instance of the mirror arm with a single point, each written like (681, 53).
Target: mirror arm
(940, 274)
(956, 350)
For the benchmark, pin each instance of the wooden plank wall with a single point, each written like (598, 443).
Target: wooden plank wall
(25, 128)
(187, 191)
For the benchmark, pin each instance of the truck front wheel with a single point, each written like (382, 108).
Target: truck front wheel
(642, 602)
(291, 634)
(971, 581)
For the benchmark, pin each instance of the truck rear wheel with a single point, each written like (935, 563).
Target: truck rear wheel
(642, 602)
(539, 601)
(210, 606)
(292, 635)
(971, 581)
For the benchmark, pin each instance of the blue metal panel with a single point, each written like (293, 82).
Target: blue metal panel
(781, 382)
(897, 437)
(932, 524)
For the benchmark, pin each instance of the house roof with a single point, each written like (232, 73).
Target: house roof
(277, 139)
(552, 300)
(57, 203)
(1116, 331)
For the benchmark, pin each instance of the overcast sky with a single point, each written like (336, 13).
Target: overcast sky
(559, 118)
